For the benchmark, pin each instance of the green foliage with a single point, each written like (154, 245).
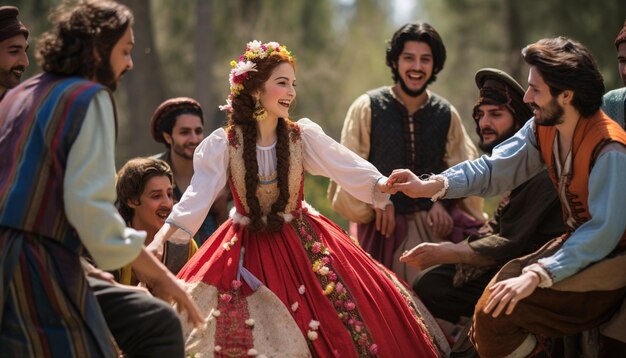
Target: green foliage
(339, 47)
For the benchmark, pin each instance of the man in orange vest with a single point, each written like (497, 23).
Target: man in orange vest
(574, 282)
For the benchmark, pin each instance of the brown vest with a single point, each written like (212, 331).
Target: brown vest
(590, 136)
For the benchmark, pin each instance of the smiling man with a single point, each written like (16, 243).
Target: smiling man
(145, 199)
(13, 47)
(406, 126)
(179, 124)
(57, 189)
(520, 225)
(575, 282)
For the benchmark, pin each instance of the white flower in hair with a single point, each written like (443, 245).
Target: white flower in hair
(254, 46)
(274, 45)
(244, 67)
(228, 106)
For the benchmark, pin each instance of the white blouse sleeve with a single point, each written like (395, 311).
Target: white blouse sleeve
(89, 190)
(324, 156)
(210, 165)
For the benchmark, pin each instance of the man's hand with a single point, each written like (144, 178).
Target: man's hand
(405, 181)
(429, 254)
(386, 220)
(99, 274)
(506, 294)
(439, 220)
(165, 286)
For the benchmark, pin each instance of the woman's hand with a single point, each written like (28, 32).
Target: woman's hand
(407, 182)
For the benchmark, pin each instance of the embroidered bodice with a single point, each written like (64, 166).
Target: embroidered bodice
(267, 190)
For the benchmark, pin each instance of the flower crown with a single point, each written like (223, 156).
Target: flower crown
(255, 51)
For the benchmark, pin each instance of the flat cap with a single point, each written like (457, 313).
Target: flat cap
(167, 111)
(9, 24)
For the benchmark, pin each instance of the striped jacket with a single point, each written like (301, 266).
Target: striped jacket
(46, 307)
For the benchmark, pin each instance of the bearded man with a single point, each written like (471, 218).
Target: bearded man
(407, 126)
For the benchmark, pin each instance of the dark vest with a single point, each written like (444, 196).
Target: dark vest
(391, 140)
(39, 122)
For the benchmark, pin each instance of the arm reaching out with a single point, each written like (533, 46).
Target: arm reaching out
(407, 182)
(164, 285)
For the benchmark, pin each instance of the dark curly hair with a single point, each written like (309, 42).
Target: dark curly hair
(132, 179)
(79, 32)
(565, 64)
(421, 32)
(243, 107)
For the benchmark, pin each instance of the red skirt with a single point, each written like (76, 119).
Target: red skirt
(313, 277)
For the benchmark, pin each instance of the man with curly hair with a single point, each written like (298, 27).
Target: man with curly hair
(408, 126)
(57, 188)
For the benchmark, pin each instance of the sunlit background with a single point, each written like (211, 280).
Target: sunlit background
(183, 48)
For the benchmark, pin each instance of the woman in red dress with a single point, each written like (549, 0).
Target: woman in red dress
(278, 278)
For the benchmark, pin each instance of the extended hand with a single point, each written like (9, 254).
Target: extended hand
(164, 285)
(168, 288)
(507, 293)
(404, 180)
(429, 254)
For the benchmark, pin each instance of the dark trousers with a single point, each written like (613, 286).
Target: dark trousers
(436, 290)
(143, 326)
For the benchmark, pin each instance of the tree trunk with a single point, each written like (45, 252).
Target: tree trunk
(143, 86)
(204, 46)
(515, 40)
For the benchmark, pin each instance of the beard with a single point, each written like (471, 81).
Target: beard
(180, 151)
(488, 147)
(8, 79)
(407, 90)
(551, 114)
(105, 75)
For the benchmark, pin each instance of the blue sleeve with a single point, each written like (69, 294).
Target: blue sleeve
(596, 238)
(511, 163)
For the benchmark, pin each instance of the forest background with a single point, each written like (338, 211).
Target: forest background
(183, 48)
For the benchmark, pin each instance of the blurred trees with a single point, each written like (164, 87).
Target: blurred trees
(491, 33)
(183, 49)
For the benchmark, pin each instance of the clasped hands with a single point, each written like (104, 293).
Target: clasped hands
(505, 295)
(407, 182)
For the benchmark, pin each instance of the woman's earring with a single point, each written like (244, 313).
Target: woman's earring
(259, 113)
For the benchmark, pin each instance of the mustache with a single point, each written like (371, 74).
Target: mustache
(534, 106)
(417, 72)
(487, 130)
(18, 68)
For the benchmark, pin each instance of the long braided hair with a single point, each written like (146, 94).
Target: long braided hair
(243, 105)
